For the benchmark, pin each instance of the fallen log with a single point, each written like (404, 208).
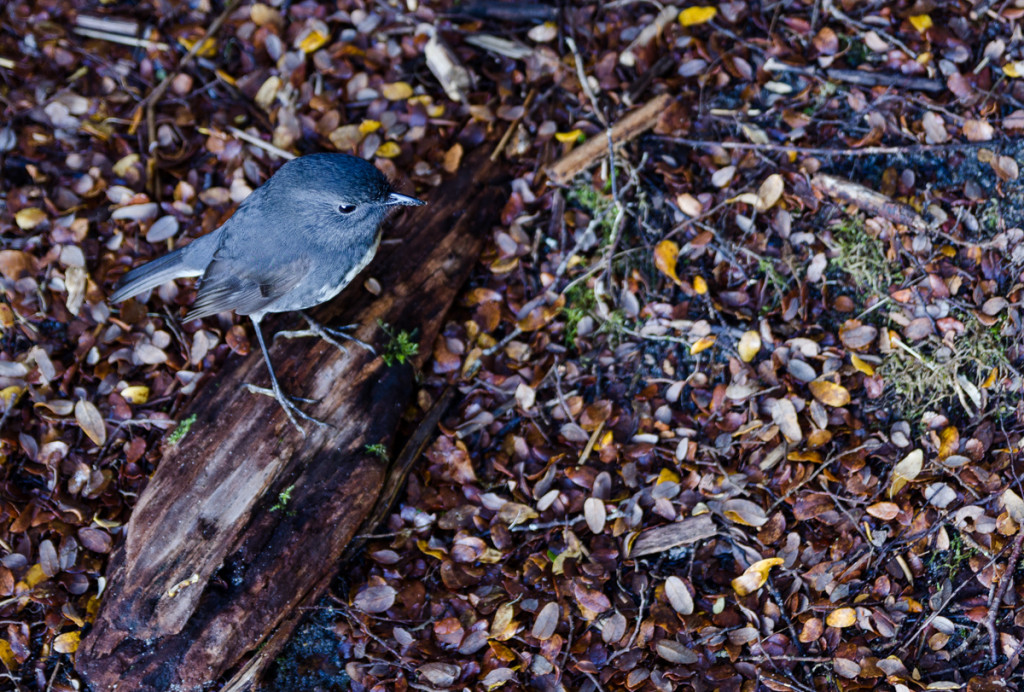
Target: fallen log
(244, 521)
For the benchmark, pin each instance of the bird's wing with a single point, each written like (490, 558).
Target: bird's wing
(227, 285)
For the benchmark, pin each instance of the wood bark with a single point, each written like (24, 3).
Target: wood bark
(215, 559)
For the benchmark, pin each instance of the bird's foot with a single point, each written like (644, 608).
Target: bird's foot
(290, 409)
(329, 334)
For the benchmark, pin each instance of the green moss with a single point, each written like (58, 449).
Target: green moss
(862, 256)
(401, 346)
(179, 432)
(933, 374)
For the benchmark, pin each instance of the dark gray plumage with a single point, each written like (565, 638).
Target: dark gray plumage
(295, 242)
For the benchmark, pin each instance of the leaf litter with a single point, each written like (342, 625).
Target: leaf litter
(774, 339)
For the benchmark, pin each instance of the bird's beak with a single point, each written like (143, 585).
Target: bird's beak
(396, 199)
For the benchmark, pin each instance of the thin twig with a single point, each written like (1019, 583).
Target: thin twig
(123, 40)
(1004, 584)
(821, 151)
(257, 142)
(513, 125)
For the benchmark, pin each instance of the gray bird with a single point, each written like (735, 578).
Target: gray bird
(295, 242)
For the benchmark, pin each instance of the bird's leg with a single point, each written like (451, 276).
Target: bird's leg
(328, 334)
(290, 409)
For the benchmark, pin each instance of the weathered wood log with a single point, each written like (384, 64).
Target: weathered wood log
(244, 521)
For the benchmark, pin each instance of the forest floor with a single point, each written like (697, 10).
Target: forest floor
(785, 298)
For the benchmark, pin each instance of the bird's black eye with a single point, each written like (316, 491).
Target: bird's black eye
(346, 208)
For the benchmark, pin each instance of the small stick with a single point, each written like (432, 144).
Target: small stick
(628, 128)
(513, 125)
(868, 200)
(1004, 585)
(820, 151)
(257, 142)
(118, 38)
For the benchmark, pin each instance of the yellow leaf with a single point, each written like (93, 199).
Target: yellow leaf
(9, 395)
(906, 470)
(991, 379)
(389, 150)
(750, 344)
(667, 475)
(829, 393)
(125, 164)
(137, 394)
(7, 656)
(228, 79)
(703, 343)
(700, 286)
(311, 41)
(396, 91)
(862, 365)
(804, 455)
(949, 442)
(692, 16)
(571, 136)
(29, 218)
(67, 643)
(921, 22)
(665, 255)
(368, 126)
(35, 575)
(432, 552)
(841, 617)
(754, 577)
(207, 50)
(1014, 69)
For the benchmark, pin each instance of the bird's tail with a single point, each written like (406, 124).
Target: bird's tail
(151, 275)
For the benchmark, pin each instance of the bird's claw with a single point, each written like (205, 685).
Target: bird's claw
(328, 334)
(290, 409)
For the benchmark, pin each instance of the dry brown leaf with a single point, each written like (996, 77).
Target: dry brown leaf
(744, 512)
(770, 192)
(675, 652)
(375, 599)
(440, 674)
(978, 130)
(1014, 505)
(784, 415)
(886, 511)
(547, 621)
(678, 595)
(452, 158)
(812, 629)
(91, 422)
(595, 514)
